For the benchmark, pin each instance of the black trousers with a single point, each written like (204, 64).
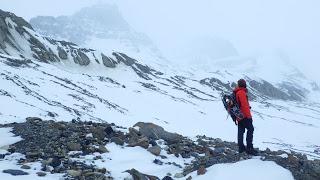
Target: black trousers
(242, 126)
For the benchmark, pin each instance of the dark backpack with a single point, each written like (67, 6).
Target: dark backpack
(232, 106)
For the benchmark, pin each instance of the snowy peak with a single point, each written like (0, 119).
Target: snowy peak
(96, 20)
(100, 27)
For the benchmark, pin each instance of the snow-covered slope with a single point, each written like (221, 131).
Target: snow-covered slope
(58, 80)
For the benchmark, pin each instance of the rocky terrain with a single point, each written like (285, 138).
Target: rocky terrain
(57, 144)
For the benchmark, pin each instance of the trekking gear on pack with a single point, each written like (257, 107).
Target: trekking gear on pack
(231, 105)
(242, 99)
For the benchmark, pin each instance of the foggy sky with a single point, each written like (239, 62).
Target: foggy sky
(253, 26)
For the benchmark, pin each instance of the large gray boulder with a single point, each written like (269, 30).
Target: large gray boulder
(156, 132)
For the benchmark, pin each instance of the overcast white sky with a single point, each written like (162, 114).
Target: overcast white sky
(251, 25)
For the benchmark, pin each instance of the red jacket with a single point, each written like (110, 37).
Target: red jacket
(242, 99)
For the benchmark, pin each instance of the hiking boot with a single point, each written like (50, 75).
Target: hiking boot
(242, 149)
(252, 151)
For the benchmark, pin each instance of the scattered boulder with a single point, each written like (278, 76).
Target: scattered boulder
(117, 141)
(140, 176)
(2, 156)
(74, 173)
(41, 174)
(102, 149)
(34, 154)
(15, 172)
(25, 167)
(155, 150)
(153, 131)
(109, 130)
(167, 178)
(178, 175)
(98, 132)
(143, 142)
(158, 162)
(33, 119)
(201, 171)
(94, 176)
(54, 162)
(74, 146)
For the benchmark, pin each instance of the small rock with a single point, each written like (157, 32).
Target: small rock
(167, 178)
(33, 154)
(109, 130)
(155, 150)
(293, 160)
(178, 175)
(41, 174)
(25, 167)
(51, 114)
(157, 161)
(201, 171)
(140, 176)
(102, 170)
(189, 178)
(54, 162)
(98, 133)
(219, 150)
(33, 119)
(97, 157)
(102, 149)
(2, 156)
(15, 172)
(94, 176)
(153, 142)
(143, 142)
(268, 151)
(74, 173)
(74, 146)
(117, 141)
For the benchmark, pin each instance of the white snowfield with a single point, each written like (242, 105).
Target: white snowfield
(243, 170)
(42, 88)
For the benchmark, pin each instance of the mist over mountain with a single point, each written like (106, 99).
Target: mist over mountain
(100, 27)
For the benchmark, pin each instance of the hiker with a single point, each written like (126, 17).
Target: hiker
(246, 123)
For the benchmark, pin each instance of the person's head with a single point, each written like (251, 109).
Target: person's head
(242, 83)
